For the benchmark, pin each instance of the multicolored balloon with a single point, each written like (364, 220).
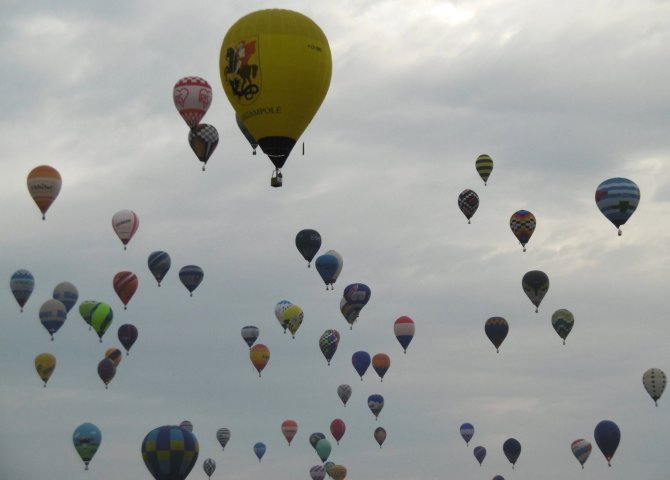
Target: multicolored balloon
(562, 320)
(209, 466)
(191, 276)
(329, 266)
(192, 97)
(484, 166)
(203, 140)
(106, 371)
(170, 452)
(480, 454)
(67, 294)
(125, 285)
(308, 242)
(259, 450)
(125, 223)
(222, 436)
(468, 202)
(159, 263)
(375, 404)
(535, 284)
(380, 435)
(467, 431)
(581, 449)
(317, 472)
(361, 361)
(328, 343)
(280, 308)
(22, 283)
(654, 381)
(44, 183)
(127, 334)
(403, 328)
(86, 439)
(292, 318)
(52, 315)
(496, 329)
(523, 225)
(344, 392)
(250, 334)
(45, 363)
(260, 356)
(512, 450)
(337, 429)
(607, 436)
(381, 363)
(355, 297)
(617, 199)
(250, 79)
(289, 428)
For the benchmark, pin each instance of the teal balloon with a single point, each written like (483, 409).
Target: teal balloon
(323, 448)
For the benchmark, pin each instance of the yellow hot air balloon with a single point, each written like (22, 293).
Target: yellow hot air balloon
(260, 356)
(275, 69)
(45, 363)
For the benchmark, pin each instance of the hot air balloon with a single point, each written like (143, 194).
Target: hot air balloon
(292, 318)
(329, 266)
(338, 472)
(317, 472)
(44, 184)
(522, 224)
(381, 363)
(187, 425)
(344, 392)
(403, 328)
(223, 435)
(101, 318)
(289, 428)
(209, 466)
(114, 354)
(380, 435)
(323, 449)
(498, 477)
(260, 356)
(337, 429)
(562, 320)
(355, 297)
(259, 450)
(536, 284)
(484, 166)
(127, 334)
(170, 452)
(106, 371)
(308, 242)
(192, 96)
(86, 439)
(468, 202)
(125, 285)
(45, 363)
(67, 294)
(125, 224)
(191, 276)
(275, 103)
(329, 467)
(480, 454)
(159, 263)
(250, 138)
(52, 315)
(361, 361)
(375, 404)
(512, 450)
(203, 140)
(581, 449)
(22, 284)
(314, 438)
(617, 199)
(280, 308)
(496, 329)
(654, 381)
(250, 334)
(328, 343)
(85, 310)
(607, 436)
(467, 431)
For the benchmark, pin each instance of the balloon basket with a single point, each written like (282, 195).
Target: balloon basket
(277, 179)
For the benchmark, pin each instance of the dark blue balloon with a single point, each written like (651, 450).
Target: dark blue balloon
(607, 435)
(159, 263)
(308, 242)
(191, 276)
(357, 294)
(361, 361)
(259, 450)
(328, 266)
(480, 454)
(512, 450)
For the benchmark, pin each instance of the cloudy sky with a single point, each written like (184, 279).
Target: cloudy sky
(561, 94)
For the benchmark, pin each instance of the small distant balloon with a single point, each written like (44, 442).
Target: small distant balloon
(191, 276)
(403, 328)
(292, 318)
(375, 404)
(22, 283)
(308, 242)
(381, 363)
(361, 361)
(114, 354)
(222, 436)
(187, 425)
(250, 334)
(607, 436)
(52, 315)
(203, 140)
(329, 266)
(289, 428)
(654, 381)
(484, 166)
(480, 454)
(45, 363)
(617, 199)
(106, 371)
(581, 449)
(67, 294)
(535, 284)
(323, 449)
(125, 285)
(467, 430)
(337, 429)
(512, 450)
(317, 472)
(159, 263)
(344, 392)
(101, 317)
(44, 184)
(468, 203)
(562, 320)
(127, 334)
(192, 97)
(328, 343)
(125, 224)
(380, 435)
(260, 356)
(522, 223)
(496, 329)
(86, 439)
(314, 438)
(259, 450)
(209, 466)
(338, 472)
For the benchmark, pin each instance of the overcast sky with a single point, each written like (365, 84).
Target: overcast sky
(561, 94)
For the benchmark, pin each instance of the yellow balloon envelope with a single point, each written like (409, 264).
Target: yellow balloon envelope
(275, 68)
(45, 363)
(260, 356)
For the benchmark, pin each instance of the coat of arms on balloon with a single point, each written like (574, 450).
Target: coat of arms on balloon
(241, 70)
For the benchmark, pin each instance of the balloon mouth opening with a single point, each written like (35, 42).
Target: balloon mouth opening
(277, 149)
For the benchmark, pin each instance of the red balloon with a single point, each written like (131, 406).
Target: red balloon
(125, 286)
(337, 428)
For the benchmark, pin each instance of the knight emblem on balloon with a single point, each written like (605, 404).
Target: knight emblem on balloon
(241, 71)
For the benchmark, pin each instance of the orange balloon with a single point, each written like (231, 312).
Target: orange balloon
(114, 354)
(338, 472)
(289, 428)
(125, 286)
(44, 184)
(260, 356)
(381, 363)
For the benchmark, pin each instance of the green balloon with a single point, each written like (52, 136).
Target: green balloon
(101, 318)
(86, 439)
(85, 309)
(323, 449)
